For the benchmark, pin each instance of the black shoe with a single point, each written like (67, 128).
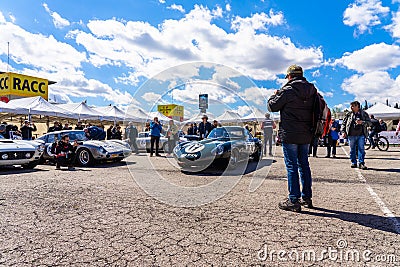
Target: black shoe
(289, 205)
(327, 156)
(58, 168)
(334, 156)
(151, 155)
(158, 155)
(353, 165)
(306, 202)
(362, 166)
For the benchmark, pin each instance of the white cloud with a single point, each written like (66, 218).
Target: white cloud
(151, 97)
(58, 21)
(244, 110)
(394, 28)
(2, 18)
(340, 107)
(372, 58)
(257, 95)
(147, 50)
(176, 7)
(12, 18)
(373, 87)
(258, 21)
(161, 1)
(228, 7)
(364, 14)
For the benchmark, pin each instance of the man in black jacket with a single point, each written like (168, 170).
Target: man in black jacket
(205, 127)
(65, 153)
(27, 129)
(295, 103)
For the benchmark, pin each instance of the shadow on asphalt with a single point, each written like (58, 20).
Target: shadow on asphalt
(369, 220)
(19, 170)
(218, 170)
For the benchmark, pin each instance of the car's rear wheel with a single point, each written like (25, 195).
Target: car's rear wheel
(84, 157)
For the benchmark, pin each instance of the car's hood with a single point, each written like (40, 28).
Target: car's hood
(15, 145)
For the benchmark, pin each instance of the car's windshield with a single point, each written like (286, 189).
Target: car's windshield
(226, 133)
(77, 135)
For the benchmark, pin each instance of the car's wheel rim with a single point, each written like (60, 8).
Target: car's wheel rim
(84, 157)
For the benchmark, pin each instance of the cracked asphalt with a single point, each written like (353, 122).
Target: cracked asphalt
(101, 216)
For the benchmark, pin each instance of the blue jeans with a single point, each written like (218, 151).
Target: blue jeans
(296, 161)
(357, 143)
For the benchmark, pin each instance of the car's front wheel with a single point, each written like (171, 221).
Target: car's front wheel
(84, 157)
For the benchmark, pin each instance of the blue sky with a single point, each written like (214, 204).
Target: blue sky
(148, 52)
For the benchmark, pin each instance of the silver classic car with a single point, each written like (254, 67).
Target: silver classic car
(20, 152)
(89, 151)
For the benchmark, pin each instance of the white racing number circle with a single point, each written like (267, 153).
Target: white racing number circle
(194, 148)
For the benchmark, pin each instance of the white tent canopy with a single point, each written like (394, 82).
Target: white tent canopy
(197, 118)
(111, 113)
(137, 115)
(9, 108)
(382, 111)
(228, 116)
(259, 115)
(82, 111)
(38, 106)
(161, 117)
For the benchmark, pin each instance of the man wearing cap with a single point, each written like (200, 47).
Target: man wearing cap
(56, 127)
(27, 129)
(205, 127)
(268, 127)
(132, 133)
(294, 101)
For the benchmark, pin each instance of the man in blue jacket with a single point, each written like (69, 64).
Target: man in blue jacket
(155, 133)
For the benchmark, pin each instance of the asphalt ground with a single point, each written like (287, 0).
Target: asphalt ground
(118, 215)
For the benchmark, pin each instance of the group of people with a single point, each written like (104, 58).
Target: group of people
(25, 132)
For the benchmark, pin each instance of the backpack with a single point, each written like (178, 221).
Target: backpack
(321, 116)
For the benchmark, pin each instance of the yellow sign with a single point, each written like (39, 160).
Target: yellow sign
(171, 110)
(23, 85)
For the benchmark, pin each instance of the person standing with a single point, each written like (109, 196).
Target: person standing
(383, 125)
(268, 127)
(155, 133)
(132, 133)
(109, 132)
(172, 134)
(331, 137)
(313, 148)
(56, 127)
(355, 129)
(205, 127)
(79, 126)
(27, 129)
(295, 101)
(375, 129)
(190, 130)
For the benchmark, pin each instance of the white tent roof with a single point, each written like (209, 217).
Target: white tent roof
(82, 111)
(137, 115)
(7, 107)
(111, 112)
(38, 106)
(197, 118)
(228, 116)
(159, 115)
(259, 115)
(381, 111)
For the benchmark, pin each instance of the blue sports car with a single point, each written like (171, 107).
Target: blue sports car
(226, 145)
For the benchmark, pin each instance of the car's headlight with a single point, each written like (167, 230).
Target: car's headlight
(102, 150)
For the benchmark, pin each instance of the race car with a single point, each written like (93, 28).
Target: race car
(226, 145)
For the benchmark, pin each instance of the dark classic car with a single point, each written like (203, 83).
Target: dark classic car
(88, 151)
(20, 152)
(229, 144)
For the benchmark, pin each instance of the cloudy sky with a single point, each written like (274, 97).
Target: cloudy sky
(162, 51)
